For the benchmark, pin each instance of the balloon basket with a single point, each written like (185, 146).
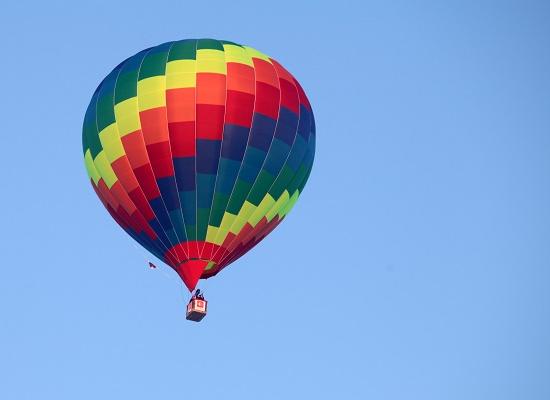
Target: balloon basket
(196, 310)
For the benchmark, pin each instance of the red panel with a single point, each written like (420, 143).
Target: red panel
(267, 100)
(135, 149)
(161, 159)
(281, 71)
(191, 271)
(180, 104)
(244, 232)
(210, 88)
(141, 203)
(127, 217)
(120, 193)
(147, 181)
(289, 96)
(210, 121)
(239, 108)
(240, 78)
(124, 173)
(192, 249)
(106, 194)
(154, 125)
(265, 72)
(182, 138)
(302, 94)
(142, 225)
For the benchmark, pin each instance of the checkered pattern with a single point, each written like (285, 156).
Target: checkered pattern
(199, 149)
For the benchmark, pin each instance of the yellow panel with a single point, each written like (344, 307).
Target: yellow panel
(265, 205)
(290, 204)
(127, 117)
(242, 218)
(211, 61)
(210, 265)
(90, 167)
(237, 54)
(180, 74)
(180, 66)
(227, 220)
(211, 233)
(220, 236)
(181, 80)
(104, 169)
(151, 93)
(110, 140)
(281, 202)
(209, 54)
(212, 66)
(256, 54)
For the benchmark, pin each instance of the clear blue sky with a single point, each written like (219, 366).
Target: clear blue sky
(416, 265)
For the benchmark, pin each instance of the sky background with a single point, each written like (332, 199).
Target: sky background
(416, 264)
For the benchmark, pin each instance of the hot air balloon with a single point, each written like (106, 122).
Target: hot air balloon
(198, 149)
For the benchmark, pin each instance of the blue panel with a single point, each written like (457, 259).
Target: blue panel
(227, 175)
(167, 187)
(184, 168)
(234, 141)
(304, 126)
(154, 246)
(249, 173)
(158, 208)
(177, 218)
(253, 161)
(261, 132)
(172, 236)
(254, 157)
(208, 153)
(297, 153)
(277, 156)
(287, 125)
(188, 202)
(157, 228)
(204, 196)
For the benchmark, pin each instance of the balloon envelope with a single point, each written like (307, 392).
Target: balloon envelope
(199, 149)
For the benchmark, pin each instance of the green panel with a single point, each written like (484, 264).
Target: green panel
(261, 186)
(126, 86)
(238, 197)
(218, 208)
(282, 181)
(305, 178)
(191, 232)
(183, 50)
(209, 44)
(154, 64)
(300, 175)
(202, 222)
(228, 42)
(105, 111)
(89, 129)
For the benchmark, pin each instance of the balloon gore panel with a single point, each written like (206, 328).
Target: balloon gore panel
(198, 149)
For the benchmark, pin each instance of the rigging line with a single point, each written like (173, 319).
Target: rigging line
(167, 249)
(266, 155)
(170, 148)
(244, 153)
(219, 154)
(151, 166)
(224, 258)
(195, 133)
(106, 151)
(259, 236)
